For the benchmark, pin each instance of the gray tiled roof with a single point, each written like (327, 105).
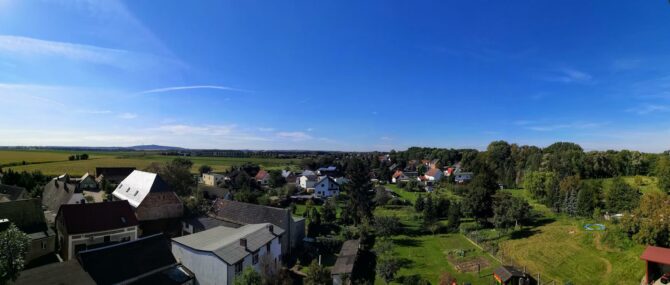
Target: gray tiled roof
(224, 242)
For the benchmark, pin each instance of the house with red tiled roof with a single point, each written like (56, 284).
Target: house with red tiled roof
(433, 174)
(262, 177)
(399, 176)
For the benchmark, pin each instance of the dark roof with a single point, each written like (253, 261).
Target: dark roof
(345, 261)
(61, 273)
(206, 223)
(96, 217)
(175, 275)
(57, 193)
(113, 171)
(245, 213)
(26, 214)
(656, 254)
(507, 272)
(11, 193)
(124, 261)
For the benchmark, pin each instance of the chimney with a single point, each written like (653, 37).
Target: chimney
(243, 242)
(272, 228)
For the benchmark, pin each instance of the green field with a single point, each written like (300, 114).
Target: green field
(56, 162)
(426, 254)
(557, 246)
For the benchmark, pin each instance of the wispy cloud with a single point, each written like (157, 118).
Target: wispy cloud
(266, 129)
(25, 46)
(191, 87)
(568, 75)
(127, 116)
(210, 130)
(648, 108)
(295, 136)
(386, 138)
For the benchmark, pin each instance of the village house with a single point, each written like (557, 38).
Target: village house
(289, 176)
(60, 191)
(330, 171)
(28, 217)
(307, 179)
(345, 263)
(245, 213)
(87, 182)
(146, 260)
(326, 187)
(113, 174)
(218, 255)
(150, 196)
(463, 177)
(213, 179)
(433, 175)
(12, 193)
(657, 265)
(84, 226)
(398, 176)
(203, 223)
(262, 178)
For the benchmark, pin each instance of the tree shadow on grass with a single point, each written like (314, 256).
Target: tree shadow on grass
(407, 242)
(523, 233)
(541, 221)
(405, 262)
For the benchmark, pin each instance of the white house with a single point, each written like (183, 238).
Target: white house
(307, 179)
(213, 179)
(326, 187)
(218, 255)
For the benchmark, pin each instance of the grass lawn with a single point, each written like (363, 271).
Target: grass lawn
(56, 162)
(426, 254)
(562, 250)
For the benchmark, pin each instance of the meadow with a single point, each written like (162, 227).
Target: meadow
(555, 246)
(56, 162)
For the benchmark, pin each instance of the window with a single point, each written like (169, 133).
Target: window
(44, 245)
(107, 239)
(136, 193)
(238, 267)
(267, 247)
(127, 190)
(124, 239)
(254, 258)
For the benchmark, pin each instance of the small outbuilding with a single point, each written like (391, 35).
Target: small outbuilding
(657, 264)
(344, 265)
(509, 275)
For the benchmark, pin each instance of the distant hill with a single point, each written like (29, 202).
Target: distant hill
(153, 147)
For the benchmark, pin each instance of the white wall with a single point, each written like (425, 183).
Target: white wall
(211, 270)
(326, 189)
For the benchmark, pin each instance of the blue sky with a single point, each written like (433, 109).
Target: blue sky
(335, 75)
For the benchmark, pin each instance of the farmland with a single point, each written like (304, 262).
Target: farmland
(56, 162)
